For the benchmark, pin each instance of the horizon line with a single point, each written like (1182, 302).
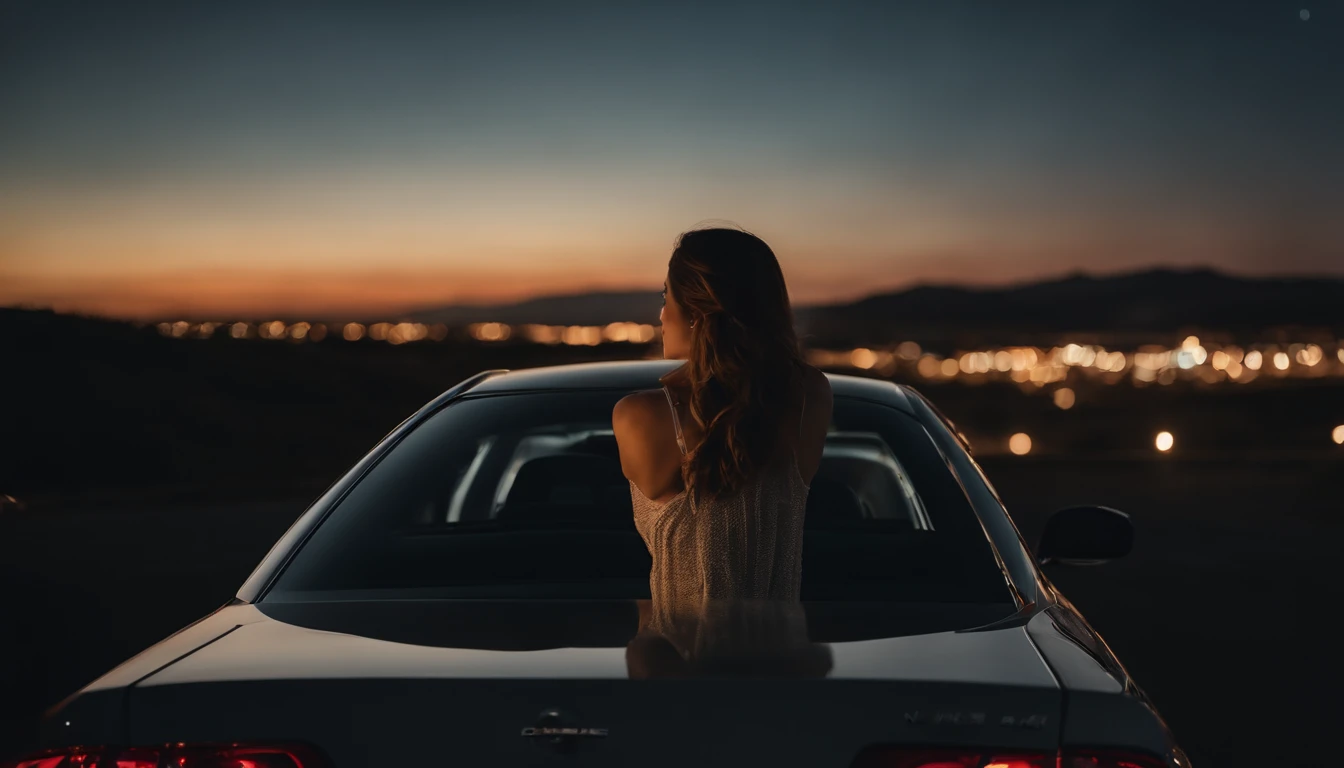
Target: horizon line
(354, 313)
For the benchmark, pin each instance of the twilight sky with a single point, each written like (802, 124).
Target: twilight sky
(249, 158)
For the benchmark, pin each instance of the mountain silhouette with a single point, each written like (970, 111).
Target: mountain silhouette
(1155, 301)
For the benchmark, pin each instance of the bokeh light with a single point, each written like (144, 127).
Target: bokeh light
(863, 358)
(928, 366)
(1064, 398)
(1310, 355)
(1165, 441)
(1020, 444)
(1338, 435)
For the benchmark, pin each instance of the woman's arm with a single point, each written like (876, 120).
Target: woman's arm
(647, 442)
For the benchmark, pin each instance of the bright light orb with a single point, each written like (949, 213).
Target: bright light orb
(1020, 444)
(1064, 398)
(1164, 441)
(1338, 435)
(863, 358)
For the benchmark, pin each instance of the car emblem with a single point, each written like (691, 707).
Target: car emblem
(559, 733)
(557, 729)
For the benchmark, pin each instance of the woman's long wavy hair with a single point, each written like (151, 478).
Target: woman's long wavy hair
(744, 353)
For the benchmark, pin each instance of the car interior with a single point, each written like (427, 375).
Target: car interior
(573, 474)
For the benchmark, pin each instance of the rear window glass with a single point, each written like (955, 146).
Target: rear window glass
(522, 496)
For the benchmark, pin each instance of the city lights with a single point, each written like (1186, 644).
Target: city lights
(1165, 441)
(1203, 362)
(489, 331)
(1058, 371)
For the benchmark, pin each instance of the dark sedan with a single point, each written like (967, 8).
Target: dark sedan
(474, 592)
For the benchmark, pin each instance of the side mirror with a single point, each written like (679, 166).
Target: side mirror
(1085, 536)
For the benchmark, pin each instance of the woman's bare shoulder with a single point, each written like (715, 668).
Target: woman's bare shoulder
(638, 409)
(815, 385)
(649, 455)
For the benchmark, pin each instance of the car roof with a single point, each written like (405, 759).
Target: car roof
(644, 374)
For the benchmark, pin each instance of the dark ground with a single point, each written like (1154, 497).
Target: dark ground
(159, 471)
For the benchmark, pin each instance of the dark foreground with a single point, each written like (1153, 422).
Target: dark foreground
(1223, 612)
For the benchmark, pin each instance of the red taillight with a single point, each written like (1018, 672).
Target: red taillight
(971, 757)
(1093, 758)
(178, 756)
(904, 757)
(38, 762)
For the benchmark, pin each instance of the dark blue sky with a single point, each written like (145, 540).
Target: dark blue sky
(396, 152)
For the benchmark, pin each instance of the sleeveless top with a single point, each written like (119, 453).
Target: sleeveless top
(746, 545)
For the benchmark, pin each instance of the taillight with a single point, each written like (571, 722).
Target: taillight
(178, 756)
(1094, 758)
(972, 757)
(905, 757)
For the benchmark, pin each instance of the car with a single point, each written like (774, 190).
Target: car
(473, 592)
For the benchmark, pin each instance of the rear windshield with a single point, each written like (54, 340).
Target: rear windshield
(522, 496)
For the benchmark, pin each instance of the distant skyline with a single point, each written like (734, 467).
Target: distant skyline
(249, 158)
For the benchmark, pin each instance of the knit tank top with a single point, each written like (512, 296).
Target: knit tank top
(747, 545)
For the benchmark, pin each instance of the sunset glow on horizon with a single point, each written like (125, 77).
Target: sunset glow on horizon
(254, 160)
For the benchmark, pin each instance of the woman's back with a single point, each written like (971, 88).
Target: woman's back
(746, 544)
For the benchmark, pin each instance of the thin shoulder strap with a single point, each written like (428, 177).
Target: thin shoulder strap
(676, 420)
(802, 417)
(802, 414)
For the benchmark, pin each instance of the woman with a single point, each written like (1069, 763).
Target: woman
(720, 459)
